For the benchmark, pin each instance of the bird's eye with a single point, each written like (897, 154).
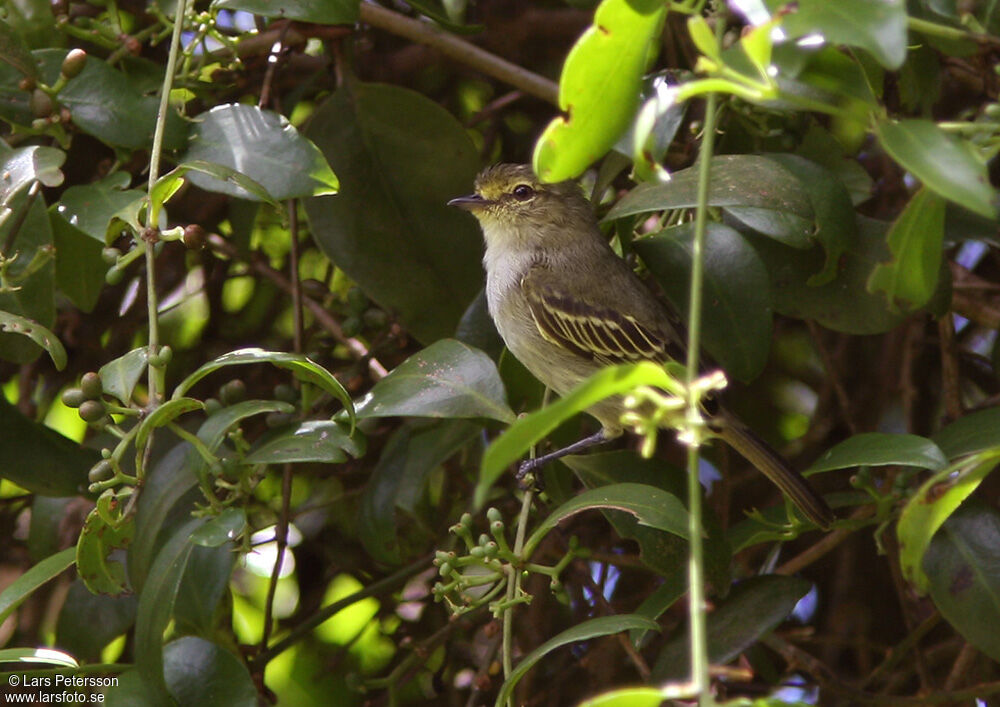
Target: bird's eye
(522, 192)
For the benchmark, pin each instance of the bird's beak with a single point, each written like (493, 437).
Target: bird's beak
(472, 202)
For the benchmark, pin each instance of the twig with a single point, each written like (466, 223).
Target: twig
(827, 543)
(899, 651)
(461, 51)
(360, 351)
(960, 668)
(949, 368)
(833, 376)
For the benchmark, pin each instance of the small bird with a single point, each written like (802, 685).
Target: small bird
(566, 306)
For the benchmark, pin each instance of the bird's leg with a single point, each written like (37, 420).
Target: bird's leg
(530, 465)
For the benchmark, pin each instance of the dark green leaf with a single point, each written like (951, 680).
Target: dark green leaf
(652, 507)
(932, 505)
(156, 606)
(88, 622)
(304, 368)
(163, 415)
(879, 449)
(225, 527)
(25, 165)
(98, 561)
(963, 569)
(400, 158)
(93, 208)
(104, 102)
(15, 52)
(13, 324)
(199, 673)
(120, 376)
(941, 163)
(447, 379)
(40, 573)
(599, 87)
(205, 584)
(736, 316)
(911, 277)
(324, 12)
(168, 184)
(879, 27)
(262, 145)
(842, 304)
(974, 432)
(760, 189)
(399, 479)
(39, 459)
(80, 269)
(310, 441)
(592, 628)
(754, 607)
(32, 273)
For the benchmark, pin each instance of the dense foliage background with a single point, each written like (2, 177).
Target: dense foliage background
(250, 390)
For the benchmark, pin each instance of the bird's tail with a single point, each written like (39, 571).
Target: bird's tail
(759, 453)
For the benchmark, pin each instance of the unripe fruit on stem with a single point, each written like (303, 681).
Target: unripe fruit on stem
(40, 103)
(110, 255)
(73, 63)
(73, 397)
(92, 411)
(91, 385)
(235, 391)
(101, 471)
(194, 237)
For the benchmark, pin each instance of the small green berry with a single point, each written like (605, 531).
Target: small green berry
(91, 385)
(101, 471)
(73, 63)
(73, 397)
(114, 276)
(92, 411)
(235, 391)
(110, 255)
(40, 103)
(286, 393)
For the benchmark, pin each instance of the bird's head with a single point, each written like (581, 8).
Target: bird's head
(511, 202)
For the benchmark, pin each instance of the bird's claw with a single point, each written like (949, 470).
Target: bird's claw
(526, 476)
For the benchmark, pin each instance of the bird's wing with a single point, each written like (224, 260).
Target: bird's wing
(600, 333)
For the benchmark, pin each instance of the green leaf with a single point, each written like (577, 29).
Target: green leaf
(911, 277)
(880, 449)
(400, 157)
(531, 429)
(98, 540)
(14, 51)
(447, 379)
(627, 697)
(80, 269)
(755, 188)
(47, 656)
(323, 12)
(105, 103)
(592, 628)
(94, 208)
(198, 607)
(879, 27)
(163, 415)
(962, 565)
(24, 165)
(736, 316)
(399, 480)
(88, 622)
(225, 527)
(652, 507)
(941, 163)
(167, 185)
(262, 145)
(599, 87)
(974, 432)
(120, 376)
(40, 459)
(932, 505)
(42, 336)
(304, 368)
(663, 552)
(324, 441)
(199, 672)
(40, 573)
(32, 273)
(754, 607)
(842, 304)
(156, 605)
(836, 226)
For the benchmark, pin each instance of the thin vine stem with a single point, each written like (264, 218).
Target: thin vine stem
(157, 376)
(513, 587)
(696, 562)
